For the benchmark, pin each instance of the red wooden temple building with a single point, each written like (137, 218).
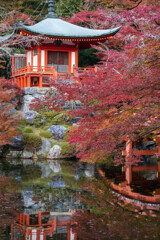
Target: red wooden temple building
(42, 226)
(51, 47)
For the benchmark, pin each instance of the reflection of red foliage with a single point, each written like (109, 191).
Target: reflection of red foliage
(10, 204)
(108, 220)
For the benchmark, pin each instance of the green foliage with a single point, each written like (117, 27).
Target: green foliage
(45, 134)
(67, 8)
(61, 119)
(50, 115)
(32, 142)
(46, 128)
(28, 130)
(31, 172)
(67, 149)
(87, 58)
(38, 120)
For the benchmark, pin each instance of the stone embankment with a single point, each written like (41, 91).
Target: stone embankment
(50, 131)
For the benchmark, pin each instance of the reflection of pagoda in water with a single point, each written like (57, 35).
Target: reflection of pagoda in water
(43, 226)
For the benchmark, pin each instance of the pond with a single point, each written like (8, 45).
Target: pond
(65, 200)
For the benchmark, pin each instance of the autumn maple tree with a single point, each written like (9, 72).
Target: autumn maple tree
(8, 122)
(122, 99)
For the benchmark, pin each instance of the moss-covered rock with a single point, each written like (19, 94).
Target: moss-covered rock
(38, 120)
(45, 134)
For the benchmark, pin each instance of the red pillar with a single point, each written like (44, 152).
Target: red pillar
(76, 59)
(12, 233)
(28, 81)
(68, 233)
(128, 159)
(69, 62)
(24, 82)
(12, 65)
(27, 220)
(158, 167)
(21, 218)
(40, 82)
(39, 219)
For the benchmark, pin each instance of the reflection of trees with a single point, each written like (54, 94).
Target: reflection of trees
(108, 220)
(10, 202)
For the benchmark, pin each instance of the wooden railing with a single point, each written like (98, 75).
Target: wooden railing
(50, 70)
(77, 71)
(33, 69)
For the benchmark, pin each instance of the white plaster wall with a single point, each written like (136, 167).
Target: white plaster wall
(29, 58)
(73, 60)
(71, 235)
(35, 60)
(42, 58)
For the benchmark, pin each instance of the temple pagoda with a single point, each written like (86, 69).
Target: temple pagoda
(53, 48)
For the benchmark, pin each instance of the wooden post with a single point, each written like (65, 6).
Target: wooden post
(27, 220)
(158, 170)
(96, 69)
(24, 82)
(76, 59)
(13, 65)
(12, 232)
(69, 62)
(39, 218)
(40, 81)
(128, 158)
(68, 233)
(28, 81)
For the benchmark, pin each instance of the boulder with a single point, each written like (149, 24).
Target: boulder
(43, 91)
(73, 104)
(14, 154)
(38, 96)
(27, 154)
(30, 90)
(16, 143)
(29, 115)
(45, 148)
(45, 169)
(57, 182)
(57, 131)
(54, 152)
(54, 165)
(27, 101)
(89, 172)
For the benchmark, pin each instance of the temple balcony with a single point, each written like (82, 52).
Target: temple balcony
(40, 76)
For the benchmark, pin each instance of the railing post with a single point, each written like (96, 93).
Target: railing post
(40, 81)
(28, 81)
(128, 158)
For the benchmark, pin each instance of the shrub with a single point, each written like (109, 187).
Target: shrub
(28, 130)
(50, 115)
(46, 128)
(38, 120)
(45, 134)
(31, 141)
(67, 149)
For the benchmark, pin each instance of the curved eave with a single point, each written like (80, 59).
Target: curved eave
(52, 27)
(5, 38)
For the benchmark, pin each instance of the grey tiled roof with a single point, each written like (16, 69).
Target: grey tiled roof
(56, 27)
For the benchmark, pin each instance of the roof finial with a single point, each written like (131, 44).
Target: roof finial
(51, 8)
